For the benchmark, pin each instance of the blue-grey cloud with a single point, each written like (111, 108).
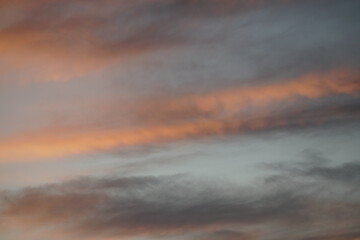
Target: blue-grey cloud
(152, 206)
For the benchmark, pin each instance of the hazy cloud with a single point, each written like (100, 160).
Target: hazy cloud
(167, 72)
(247, 109)
(181, 204)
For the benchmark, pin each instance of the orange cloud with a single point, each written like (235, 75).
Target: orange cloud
(46, 55)
(223, 111)
(233, 101)
(63, 39)
(49, 43)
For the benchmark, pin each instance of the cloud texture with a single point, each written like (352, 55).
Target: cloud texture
(122, 92)
(154, 206)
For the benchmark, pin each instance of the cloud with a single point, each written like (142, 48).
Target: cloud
(345, 236)
(226, 235)
(236, 100)
(247, 109)
(348, 172)
(345, 173)
(136, 205)
(59, 144)
(75, 38)
(179, 204)
(146, 206)
(236, 67)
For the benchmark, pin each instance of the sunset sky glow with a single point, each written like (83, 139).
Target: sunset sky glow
(179, 119)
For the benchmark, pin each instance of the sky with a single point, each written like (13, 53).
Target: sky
(179, 120)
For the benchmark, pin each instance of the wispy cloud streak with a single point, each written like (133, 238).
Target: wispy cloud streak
(149, 206)
(225, 112)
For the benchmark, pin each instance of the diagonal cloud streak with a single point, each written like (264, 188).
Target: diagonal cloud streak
(199, 116)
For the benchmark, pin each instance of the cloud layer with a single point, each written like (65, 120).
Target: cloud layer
(210, 88)
(246, 109)
(170, 205)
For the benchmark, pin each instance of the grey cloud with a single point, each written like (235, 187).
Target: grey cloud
(318, 167)
(249, 43)
(347, 172)
(140, 25)
(168, 205)
(353, 234)
(138, 205)
(226, 235)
